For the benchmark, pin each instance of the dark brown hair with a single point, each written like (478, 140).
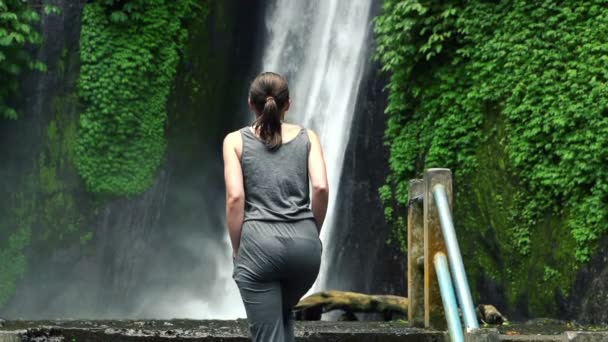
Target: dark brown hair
(269, 95)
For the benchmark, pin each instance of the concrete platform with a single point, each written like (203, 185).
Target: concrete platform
(204, 330)
(236, 330)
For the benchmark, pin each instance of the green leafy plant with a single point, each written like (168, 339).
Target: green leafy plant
(13, 261)
(17, 33)
(510, 90)
(129, 53)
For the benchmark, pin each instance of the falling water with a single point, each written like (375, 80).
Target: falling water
(321, 47)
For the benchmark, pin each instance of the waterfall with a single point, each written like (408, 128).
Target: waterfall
(320, 46)
(165, 253)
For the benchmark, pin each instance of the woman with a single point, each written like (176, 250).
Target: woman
(273, 227)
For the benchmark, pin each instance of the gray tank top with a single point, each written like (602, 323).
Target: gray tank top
(276, 182)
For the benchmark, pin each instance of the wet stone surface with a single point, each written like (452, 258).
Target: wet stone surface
(237, 330)
(208, 330)
(546, 326)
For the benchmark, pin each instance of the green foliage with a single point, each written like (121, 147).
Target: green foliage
(129, 53)
(45, 213)
(59, 212)
(13, 262)
(550, 273)
(15, 239)
(51, 9)
(528, 79)
(17, 33)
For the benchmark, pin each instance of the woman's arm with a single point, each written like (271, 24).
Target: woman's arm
(235, 193)
(318, 179)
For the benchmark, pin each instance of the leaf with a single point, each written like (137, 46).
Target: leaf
(118, 17)
(52, 9)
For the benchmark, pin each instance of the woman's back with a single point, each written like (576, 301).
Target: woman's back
(272, 221)
(276, 181)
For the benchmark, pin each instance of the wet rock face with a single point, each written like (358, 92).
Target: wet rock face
(24, 141)
(361, 260)
(589, 298)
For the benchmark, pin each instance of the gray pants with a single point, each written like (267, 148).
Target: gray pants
(276, 264)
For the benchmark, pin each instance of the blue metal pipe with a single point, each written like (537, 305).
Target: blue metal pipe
(460, 278)
(448, 298)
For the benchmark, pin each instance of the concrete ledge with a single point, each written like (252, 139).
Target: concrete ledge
(237, 331)
(586, 336)
(209, 330)
(533, 338)
(481, 335)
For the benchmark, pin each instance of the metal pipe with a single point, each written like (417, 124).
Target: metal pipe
(448, 298)
(460, 278)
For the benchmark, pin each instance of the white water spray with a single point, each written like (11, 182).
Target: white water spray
(321, 47)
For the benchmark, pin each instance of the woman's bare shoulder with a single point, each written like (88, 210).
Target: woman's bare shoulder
(311, 134)
(291, 127)
(233, 139)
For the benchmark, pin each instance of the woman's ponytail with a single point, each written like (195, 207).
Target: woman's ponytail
(269, 94)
